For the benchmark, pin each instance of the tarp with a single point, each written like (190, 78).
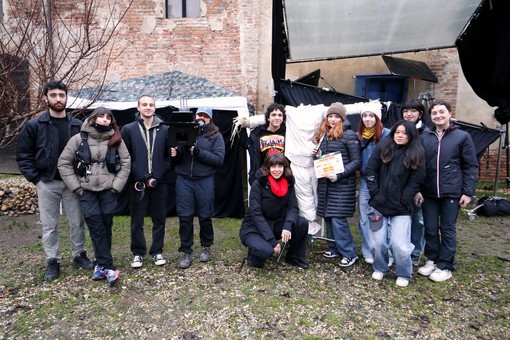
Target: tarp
(331, 29)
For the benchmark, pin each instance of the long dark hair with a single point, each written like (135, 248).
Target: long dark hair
(116, 138)
(415, 154)
(273, 159)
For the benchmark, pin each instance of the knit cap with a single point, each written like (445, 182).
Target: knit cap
(374, 106)
(339, 109)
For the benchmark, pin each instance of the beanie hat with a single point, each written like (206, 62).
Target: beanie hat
(204, 109)
(339, 109)
(373, 106)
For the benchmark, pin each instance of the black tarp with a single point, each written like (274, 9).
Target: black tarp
(484, 53)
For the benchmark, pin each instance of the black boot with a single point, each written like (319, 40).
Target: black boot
(83, 261)
(53, 270)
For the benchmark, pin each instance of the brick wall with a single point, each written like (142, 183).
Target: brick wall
(445, 65)
(221, 45)
(488, 166)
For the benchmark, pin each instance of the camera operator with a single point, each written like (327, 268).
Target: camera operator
(195, 168)
(147, 141)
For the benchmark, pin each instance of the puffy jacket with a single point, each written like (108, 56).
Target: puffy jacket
(254, 147)
(338, 199)
(99, 178)
(392, 186)
(451, 163)
(135, 143)
(267, 209)
(38, 150)
(210, 156)
(369, 149)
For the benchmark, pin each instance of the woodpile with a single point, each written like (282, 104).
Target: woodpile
(17, 197)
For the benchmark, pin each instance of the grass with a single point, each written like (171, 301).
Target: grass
(215, 301)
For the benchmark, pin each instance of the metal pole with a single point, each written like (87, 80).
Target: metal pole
(503, 133)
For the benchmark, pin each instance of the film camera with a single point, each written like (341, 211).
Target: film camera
(183, 128)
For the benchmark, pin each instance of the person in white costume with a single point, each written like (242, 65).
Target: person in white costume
(302, 124)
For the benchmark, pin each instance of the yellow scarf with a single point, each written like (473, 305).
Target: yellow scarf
(368, 133)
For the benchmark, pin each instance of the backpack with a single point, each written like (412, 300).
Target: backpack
(82, 158)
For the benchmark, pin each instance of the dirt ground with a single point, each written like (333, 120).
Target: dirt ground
(480, 237)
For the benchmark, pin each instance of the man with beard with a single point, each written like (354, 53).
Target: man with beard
(40, 143)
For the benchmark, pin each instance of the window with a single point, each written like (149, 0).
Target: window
(182, 8)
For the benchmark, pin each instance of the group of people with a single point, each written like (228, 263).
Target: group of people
(84, 166)
(414, 179)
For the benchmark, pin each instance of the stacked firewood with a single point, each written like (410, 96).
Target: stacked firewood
(17, 197)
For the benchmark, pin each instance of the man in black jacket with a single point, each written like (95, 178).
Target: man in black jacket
(40, 143)
(146, 139)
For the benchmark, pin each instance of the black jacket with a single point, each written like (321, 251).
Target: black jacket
(38, 147)
(392, 186)
(338, 199)
(451, 164)
(209, 155)
(135, 143)
(267, 209)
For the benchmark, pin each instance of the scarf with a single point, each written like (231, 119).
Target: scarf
(278, 187)
(102, 128)
(368, 133)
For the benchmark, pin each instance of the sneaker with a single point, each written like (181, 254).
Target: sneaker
(390, 262)
(83, 261)
(112, 276)
(377, 276)
(185, 261)
(347, 261)
(369, 260)
(53, 270)
(98, 273)
(402, 282)
(416, 261)
(137, 261)
(440, 275)
(158, 259)
(206, 254)
(427, 269)
(330, 255)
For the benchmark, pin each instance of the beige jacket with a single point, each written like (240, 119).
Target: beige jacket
(99, 178)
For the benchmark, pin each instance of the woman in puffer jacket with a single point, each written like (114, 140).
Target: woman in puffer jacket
(98, 187)
(337, 191)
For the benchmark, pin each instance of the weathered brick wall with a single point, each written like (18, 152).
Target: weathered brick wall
(445, 65)
(221, 45)
(488, 166)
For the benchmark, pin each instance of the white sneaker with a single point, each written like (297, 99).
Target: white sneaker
(390, 262)
(137, 261)
(402, 282)
(369, 260)
(440, 275)
(377, 276)
(159, 260)
(427, 269)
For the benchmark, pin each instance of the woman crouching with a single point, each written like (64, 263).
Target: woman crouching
(273, 214)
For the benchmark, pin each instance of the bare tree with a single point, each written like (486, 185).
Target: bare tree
(41, 40)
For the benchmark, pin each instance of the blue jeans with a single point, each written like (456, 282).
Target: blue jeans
(417, 232)
(338, 229)
(440, 217)
(395, 234)
(363, 222)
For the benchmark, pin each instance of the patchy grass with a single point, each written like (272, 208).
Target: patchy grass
(215, 301)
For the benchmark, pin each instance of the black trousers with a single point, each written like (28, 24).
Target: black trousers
(152, 203)
(259, 250)
(97, 209)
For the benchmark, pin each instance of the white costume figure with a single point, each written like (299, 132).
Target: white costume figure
(302, 124)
